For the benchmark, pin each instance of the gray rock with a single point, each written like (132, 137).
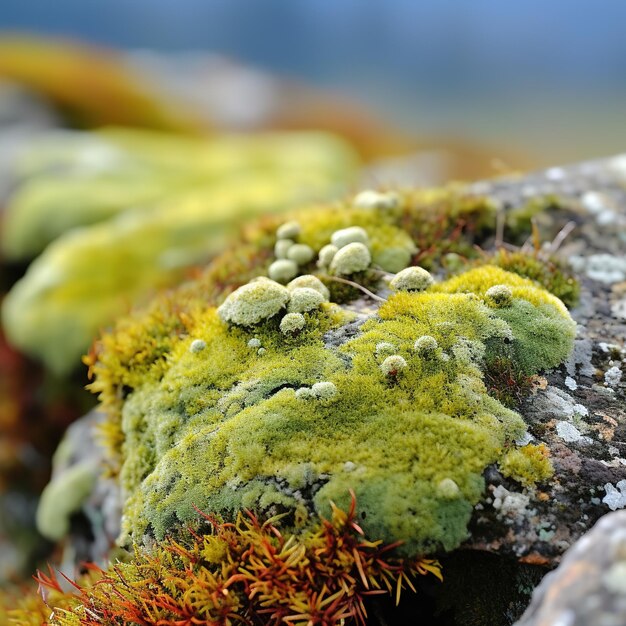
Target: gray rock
(589, 587)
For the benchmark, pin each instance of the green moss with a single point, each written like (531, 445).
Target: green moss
(323, 411)
(528, 465)
(547, 272)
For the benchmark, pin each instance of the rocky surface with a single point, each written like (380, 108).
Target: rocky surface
(578, 411)
(589, 587)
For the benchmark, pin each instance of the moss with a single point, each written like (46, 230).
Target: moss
(228, 428)
(528, 465)
(547, 272)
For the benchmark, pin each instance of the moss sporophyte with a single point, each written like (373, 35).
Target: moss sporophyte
(279, 392)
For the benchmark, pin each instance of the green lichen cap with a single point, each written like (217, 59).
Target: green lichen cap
(292, 323)
(254, 302)
(282, 270)
(326, 255)
(312, 282)
(370, 199)
(288, 230)
(305, 299)
(353, 234)
(411, 279)
(300, 253)
(352, 258)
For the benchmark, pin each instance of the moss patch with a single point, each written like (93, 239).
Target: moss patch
(239, 424)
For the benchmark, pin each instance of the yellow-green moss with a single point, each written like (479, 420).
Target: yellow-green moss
(528, 465)
(239, 424)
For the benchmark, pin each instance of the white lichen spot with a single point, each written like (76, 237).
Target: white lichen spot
(613, 376)
(570, 383)
(292, 323)
(261, 351)
(197, 345)
(282, 270)
(425, 344)
(254, 302)
(300, 253)
(353, 258)
(304, 393)
(326, 255)
(282, 247)
(448, 489)
(615, 497)
(288, 230)
(393, 365)
(570, 434)
(384, 348)
(370, 199)
(349, 466)
(352, 234)
(411, 279)
(305, 299)
(509, 503)
(255, 342)
(324, 390)
(310, 281)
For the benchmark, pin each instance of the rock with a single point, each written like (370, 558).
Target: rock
(589, 586)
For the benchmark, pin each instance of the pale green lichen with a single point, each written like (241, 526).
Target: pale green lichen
(411, 279)
(288, 230)
(353, 234)
(300, 253)
(393, 365)
(426, 344)
(369, 199)
(351, 259)
(254, 302)
(197, 345)
(292, 323)
(326, 255)
(324, 390)
(311, 282)
(282, 270)
(304, 299)
(384, 348)
(499, 295)
(282, 247)
(64, 496)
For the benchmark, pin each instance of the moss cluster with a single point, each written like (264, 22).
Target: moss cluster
(390, 402)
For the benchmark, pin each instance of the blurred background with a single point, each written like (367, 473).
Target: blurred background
(137, 136)
(542, 79)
